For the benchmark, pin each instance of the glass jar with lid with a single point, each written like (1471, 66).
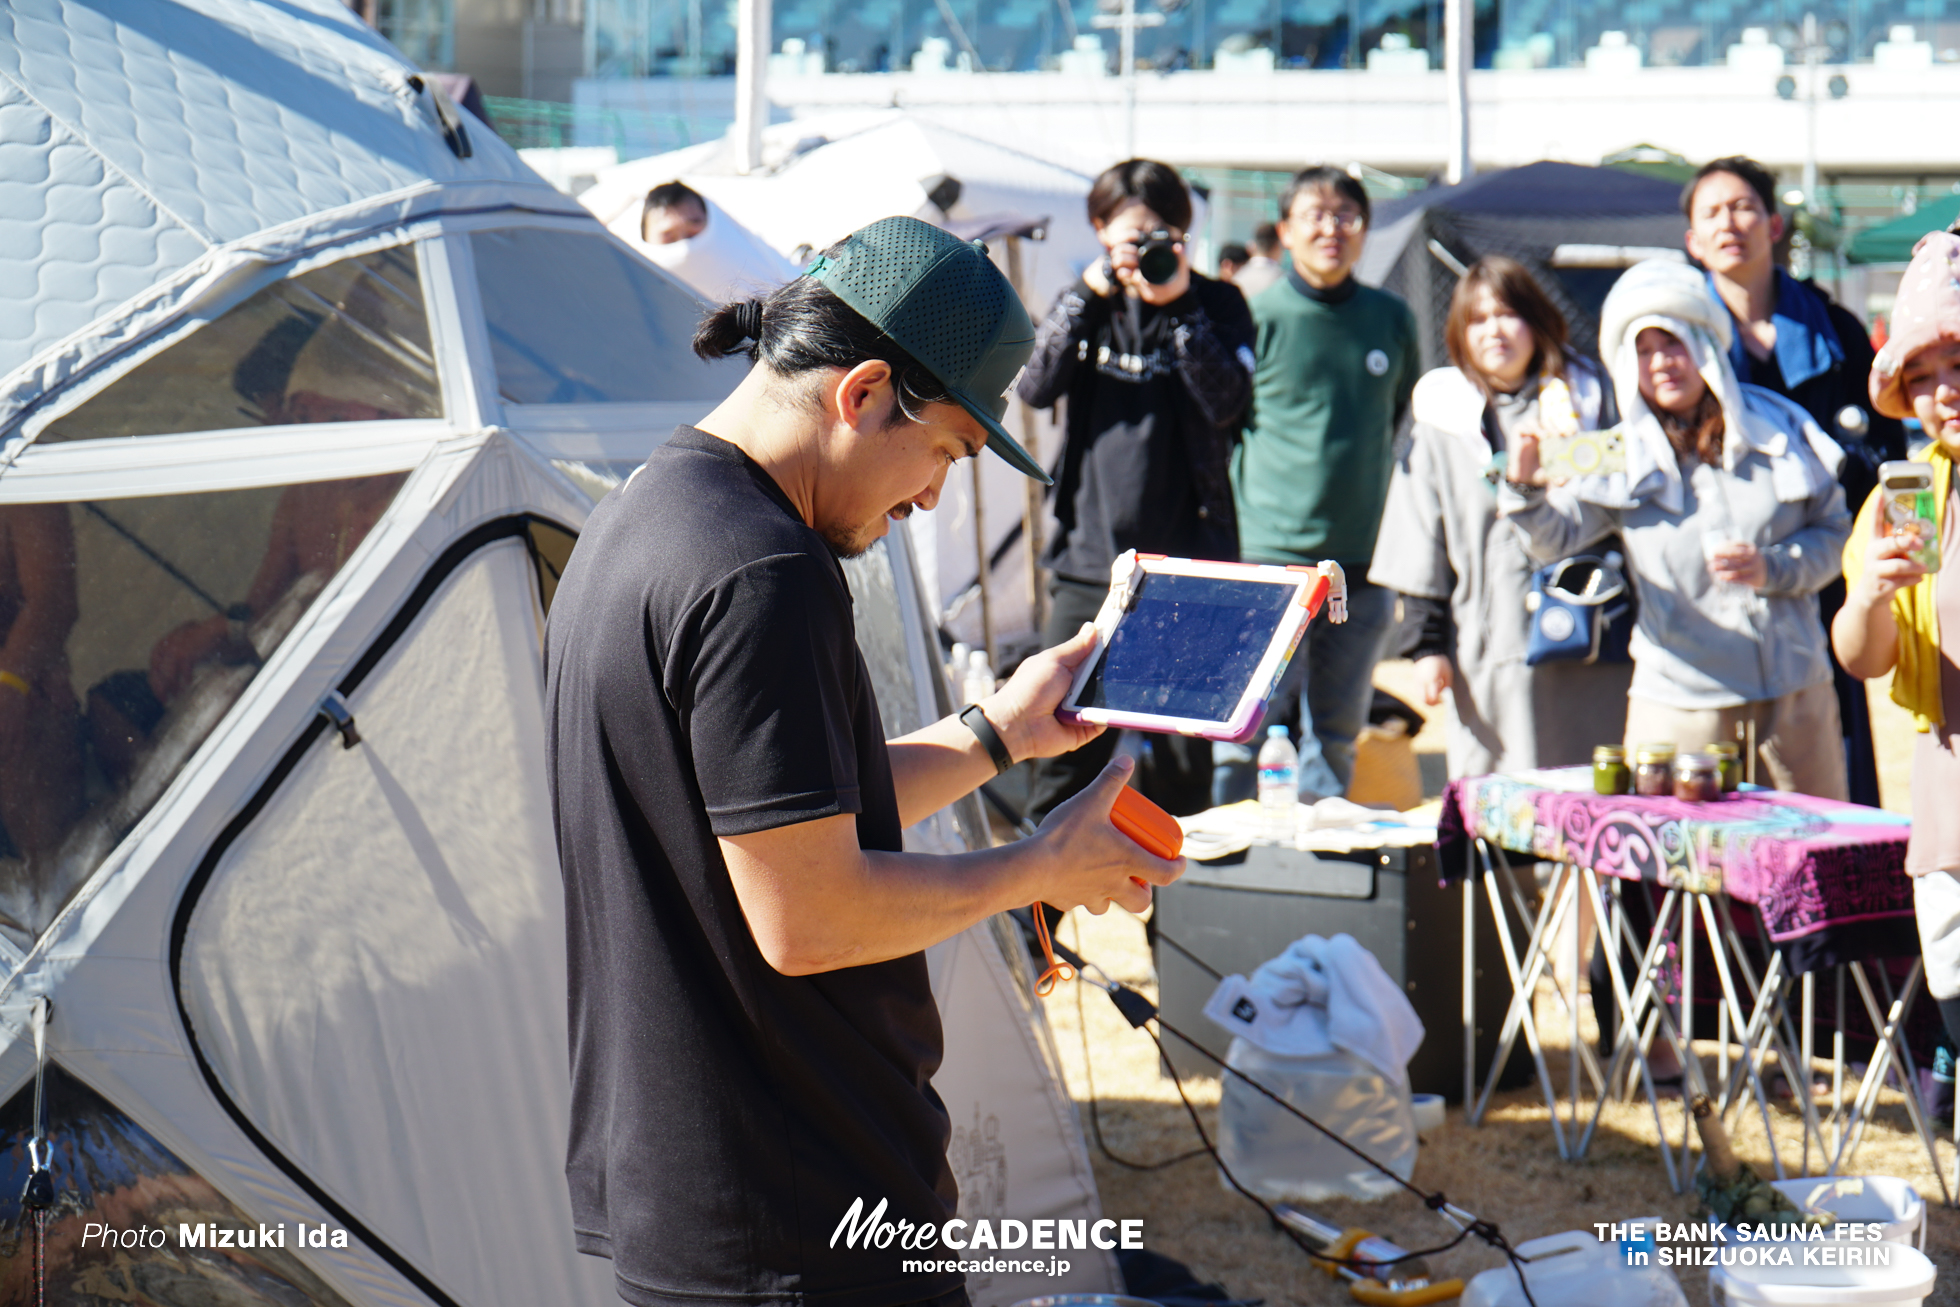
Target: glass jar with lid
(1653, 770)
(1697, 777)
(1611, 775)
(1728, 758)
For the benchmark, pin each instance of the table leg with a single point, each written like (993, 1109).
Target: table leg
(1837, 1068)
(1771, 998)
(1524, 979)
(1627, 1034)
(1890, 1046)
(1750, 1067)
(1572, 1003)
(1809, 1048)
(1640, 1024)
(1469, 987)
(1690, 1066)
(1581, 1053)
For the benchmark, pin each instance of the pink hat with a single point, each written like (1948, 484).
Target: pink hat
(1926, 312)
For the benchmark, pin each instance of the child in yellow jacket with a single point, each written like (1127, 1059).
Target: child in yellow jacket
(1898, 617)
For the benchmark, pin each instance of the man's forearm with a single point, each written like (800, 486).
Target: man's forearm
(879, 906)
(937, 765)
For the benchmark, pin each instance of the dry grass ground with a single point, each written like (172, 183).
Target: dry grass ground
(1506, 1169)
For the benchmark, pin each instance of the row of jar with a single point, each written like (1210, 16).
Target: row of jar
(1658, 770)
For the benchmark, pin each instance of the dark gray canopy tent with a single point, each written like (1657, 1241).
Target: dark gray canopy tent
(1576, 228)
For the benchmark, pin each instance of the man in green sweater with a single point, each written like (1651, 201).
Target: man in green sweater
(1336, 364)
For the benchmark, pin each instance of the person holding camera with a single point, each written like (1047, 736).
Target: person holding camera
(1155, 361)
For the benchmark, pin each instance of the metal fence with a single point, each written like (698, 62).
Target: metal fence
(540, 124)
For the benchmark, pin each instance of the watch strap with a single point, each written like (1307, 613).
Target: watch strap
(976, 721)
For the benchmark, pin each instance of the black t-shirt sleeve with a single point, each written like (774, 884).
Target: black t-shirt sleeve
(768, 702)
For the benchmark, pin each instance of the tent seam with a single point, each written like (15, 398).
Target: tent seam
(108, 165)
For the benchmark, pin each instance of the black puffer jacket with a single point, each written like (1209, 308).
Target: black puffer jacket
(1155, 394)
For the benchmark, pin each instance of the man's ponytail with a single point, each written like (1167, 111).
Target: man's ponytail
(734, 328)
(802, 326)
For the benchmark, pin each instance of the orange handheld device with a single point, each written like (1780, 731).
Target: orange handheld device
(1152, 828)
(1147, 824)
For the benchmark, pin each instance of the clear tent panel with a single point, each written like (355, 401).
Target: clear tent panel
(577, 318)
(128, 628)
(347, 342)
(109, 1171)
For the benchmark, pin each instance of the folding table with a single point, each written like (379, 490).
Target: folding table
(1825, 879)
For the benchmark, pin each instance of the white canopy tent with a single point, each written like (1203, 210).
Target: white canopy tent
(726, 261)
(311, 387)
(830, 174)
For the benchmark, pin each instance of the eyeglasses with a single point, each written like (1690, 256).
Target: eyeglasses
(1346, 223)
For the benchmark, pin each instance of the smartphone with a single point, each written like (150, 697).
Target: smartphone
(1583, 454)
(1907, 488)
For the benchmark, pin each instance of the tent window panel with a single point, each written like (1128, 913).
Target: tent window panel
(128, 628)
(348, 342)
(577, 318)
(109, 1171)
(551, 548)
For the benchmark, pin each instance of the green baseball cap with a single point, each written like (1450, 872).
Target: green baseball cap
(945, 303)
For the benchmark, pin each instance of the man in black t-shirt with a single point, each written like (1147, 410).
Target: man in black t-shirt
(753, 1032)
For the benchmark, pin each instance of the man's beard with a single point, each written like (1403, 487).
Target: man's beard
(846, 544)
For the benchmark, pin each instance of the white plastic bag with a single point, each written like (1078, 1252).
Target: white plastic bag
(1280, 1157)
(1575, 1269)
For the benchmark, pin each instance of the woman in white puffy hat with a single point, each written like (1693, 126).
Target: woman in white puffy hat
(1733, 521)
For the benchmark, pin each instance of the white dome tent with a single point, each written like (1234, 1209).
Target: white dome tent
(306, 388)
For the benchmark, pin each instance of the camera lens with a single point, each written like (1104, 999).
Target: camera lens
(1157, 258)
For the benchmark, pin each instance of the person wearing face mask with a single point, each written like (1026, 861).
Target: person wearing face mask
(1733, 521)
(1156, 373)
(1790, 337)
(1463, 576)
(1337, 363)
(1900, 618)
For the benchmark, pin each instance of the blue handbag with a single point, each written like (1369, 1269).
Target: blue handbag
(1582, 611)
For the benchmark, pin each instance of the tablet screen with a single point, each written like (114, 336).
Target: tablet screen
(1189, 648)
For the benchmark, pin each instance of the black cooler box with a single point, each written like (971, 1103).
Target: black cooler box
(1235, 915)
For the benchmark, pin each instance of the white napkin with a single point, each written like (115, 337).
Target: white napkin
(1320, 995)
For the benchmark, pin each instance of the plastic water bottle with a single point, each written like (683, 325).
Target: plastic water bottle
(1279, 784)
(956, 668)
(979, 676)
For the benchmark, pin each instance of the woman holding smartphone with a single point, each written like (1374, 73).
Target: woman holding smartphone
(1733, 521)
(1901, 617)
(1463, 575)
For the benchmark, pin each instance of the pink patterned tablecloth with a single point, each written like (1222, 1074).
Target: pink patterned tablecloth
(1808, 864)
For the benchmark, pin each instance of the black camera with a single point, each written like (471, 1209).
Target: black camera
(1156, 256)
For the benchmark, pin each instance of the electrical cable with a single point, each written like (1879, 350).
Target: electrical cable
(1095, 1115)
(1139, 1011)
(1194, 959)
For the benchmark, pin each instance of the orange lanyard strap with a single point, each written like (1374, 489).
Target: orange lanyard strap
(1057, 969)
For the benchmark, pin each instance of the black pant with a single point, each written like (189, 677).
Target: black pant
(1176, 770)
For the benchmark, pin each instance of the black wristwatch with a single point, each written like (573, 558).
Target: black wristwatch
(976, 721)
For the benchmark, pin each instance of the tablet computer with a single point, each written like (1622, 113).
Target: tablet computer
(1195, 648)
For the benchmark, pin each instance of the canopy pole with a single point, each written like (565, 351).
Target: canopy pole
(1030, 441)
(986, 587)
(751, 82)
(1457, 54)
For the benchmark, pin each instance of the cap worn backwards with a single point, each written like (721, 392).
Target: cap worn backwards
(944, 302)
